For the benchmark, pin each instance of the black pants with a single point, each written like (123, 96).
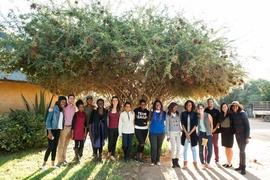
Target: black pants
(79, 144)
(241, 141)
(112, 140)
(52, 145)
(156, 141)
(141, 135)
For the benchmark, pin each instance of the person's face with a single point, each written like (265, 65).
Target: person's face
(158, 106)
(200, 109)
(115, 101)
(127, 107)
(100, 104)
(189, 106)
(174, 109)
(143, 105)
(210, 104)
(71, 99)
(224, 108)
(235, 108)
(81, 107)
(63, 103)
(89, 101)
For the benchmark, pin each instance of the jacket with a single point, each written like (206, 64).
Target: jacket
(193, 122)
(241, 123)
(53, 118)
(173, 124)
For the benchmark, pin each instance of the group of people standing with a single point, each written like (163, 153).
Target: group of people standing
(195, 125)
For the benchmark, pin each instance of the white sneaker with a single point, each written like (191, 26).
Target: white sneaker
(152, 164)
(55, 167)
(158, 163)
(218, 164)
(44, 168)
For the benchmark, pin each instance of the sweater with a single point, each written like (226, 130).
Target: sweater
(173, 124)
(157, 124)
(126, 123)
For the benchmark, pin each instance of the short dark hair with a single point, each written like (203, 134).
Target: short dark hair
(192, 103)
(142, 101)
(128, 103)
(210, 99)
(79, 102)
(198, 106)
(71, 95)
(100, 100)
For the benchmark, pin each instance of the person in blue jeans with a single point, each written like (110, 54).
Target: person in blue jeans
(54, 123)
(126, 129)
(156, 131)
(189, 121)
(205, 128)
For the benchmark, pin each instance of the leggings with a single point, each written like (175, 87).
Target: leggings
(241, 141)
(79, 144)
(141, 135)
(112, 140)
(52, 145)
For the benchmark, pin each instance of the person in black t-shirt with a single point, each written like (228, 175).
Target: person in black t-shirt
(141, 128)
(215, 115)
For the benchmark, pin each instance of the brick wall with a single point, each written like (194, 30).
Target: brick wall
(10, 95)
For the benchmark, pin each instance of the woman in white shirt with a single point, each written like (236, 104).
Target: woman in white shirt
(126, 129)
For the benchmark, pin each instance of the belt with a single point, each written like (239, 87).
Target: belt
(68, 126)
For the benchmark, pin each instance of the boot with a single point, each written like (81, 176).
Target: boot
(239, 168)
(243, 169)
(75, 159)
(100, 158)
(185, 165)
(195, 165)
(81, 152)
(176, 163)
(173, 163)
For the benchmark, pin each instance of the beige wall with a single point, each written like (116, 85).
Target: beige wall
(10, 95)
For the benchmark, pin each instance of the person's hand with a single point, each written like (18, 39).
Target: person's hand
(50, 136)
(247, 140)
(214, 130)
(188, 136)
(168, 139)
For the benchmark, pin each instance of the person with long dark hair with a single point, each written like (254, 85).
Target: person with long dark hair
(79, 130)
(173, 130)
(141, 128)
(98, 129)
(113, 120)
(54, 123)
(189, 121)
(126, 129)
(242, 132)
(227, 132)
(156, 131)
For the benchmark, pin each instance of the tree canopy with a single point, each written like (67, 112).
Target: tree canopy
(144, 52)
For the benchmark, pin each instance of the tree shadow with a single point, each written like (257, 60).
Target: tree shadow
(82, 174)
(39, 176)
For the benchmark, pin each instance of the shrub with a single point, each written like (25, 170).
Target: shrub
(22, 130)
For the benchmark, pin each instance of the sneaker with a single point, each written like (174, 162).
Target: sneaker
(208, 166)
(136, 158)
(55, 167)
(152, 164)
(140, 160)
(44, 168)
(158, 163)
(228, 166)
(218, 164)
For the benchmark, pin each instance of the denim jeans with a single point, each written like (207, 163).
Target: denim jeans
(208, 145)
(193, 149)
(127, 144)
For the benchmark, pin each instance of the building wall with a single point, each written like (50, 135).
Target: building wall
(10, 95)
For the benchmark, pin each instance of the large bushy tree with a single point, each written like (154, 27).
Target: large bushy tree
(144, 52)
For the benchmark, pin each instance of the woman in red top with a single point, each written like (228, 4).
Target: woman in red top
(79, 130)
(113, 119)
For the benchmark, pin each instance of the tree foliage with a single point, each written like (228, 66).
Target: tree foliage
(144, 52)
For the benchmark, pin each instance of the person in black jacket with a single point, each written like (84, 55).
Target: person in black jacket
(242, 132)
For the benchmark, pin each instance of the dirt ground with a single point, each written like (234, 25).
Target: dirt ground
(257, 153)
